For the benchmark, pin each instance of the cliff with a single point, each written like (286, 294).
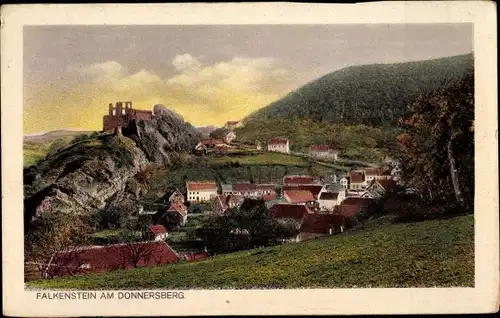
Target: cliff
(90, 174)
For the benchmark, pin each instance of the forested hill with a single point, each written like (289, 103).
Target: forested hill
(369, 94)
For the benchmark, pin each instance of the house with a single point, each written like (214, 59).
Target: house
(289, 211)
(344, 181)
(366, 206)
(317, 225)
(211, 142)
(232, 124)
(380, 188)
(95, 259)
(327, 200)
(315, 189)
(249, 190)
(299, 180)
(177, 213)
(279, 145)
(299, 197)
(376, 174)
(356, 180)
(392, 162)
(221, 149)
(323, 152)
(221, 203)
(200, 191)
(158, 232)
(176, 196)
(330, 196)
(396, 173)
(230, 136)
(368, 194)
(258, 145)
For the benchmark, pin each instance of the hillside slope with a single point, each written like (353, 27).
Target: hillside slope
(84, 176)
(438, 253)
(369, 94)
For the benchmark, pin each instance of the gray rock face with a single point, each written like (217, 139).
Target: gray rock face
(85, 177)
(165, 136)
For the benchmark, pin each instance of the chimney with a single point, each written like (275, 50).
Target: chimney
(334, 178)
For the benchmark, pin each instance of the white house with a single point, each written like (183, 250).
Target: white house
(258, 145)
(230, 136)
(330, 196)
(279, 145)
(345, 182)
(201, 191)
(159, 232)
(323, 152)
(396, 173)
(176, 196)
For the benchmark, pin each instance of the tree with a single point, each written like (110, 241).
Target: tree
(219, 133)
(437, 143)
(242, 228)
(51, 233)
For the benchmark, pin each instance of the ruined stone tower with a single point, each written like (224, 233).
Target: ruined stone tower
(121, 115)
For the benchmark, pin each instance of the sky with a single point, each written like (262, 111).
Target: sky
(207, 73)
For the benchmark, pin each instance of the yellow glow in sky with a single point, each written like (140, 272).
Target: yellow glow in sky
(203, 95)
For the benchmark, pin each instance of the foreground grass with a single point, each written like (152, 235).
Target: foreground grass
(438, 253)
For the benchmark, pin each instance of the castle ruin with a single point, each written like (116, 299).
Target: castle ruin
(122, 115)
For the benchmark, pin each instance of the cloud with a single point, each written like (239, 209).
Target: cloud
(185, 63)
(202, 94)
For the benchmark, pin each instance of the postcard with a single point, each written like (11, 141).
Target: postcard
(249, 159)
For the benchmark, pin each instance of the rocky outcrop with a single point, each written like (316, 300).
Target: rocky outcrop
(87, 176)
(163, 137)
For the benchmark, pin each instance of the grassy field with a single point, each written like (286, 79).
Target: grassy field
(438, 253)
(34, 152)
(267, 158)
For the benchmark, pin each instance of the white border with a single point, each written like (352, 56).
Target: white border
(481, 298)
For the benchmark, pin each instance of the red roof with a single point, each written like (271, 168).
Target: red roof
(231, 122)
(92, 259)
(266, 186)
(319, 148)
(314, 189)
(178, 207)
(278, 141)
(298, 180)
(289, 211)
(348, 211)
(322, 223)
(269, 197)
(242, 187)
(193, 257)
(158, 229)
(220, 202)
(298, 196)
(201, 185)
(356, 176)
(389, 185)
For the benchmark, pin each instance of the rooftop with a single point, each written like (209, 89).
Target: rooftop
(201, 185)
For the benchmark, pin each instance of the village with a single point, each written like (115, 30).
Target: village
(316, 208)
